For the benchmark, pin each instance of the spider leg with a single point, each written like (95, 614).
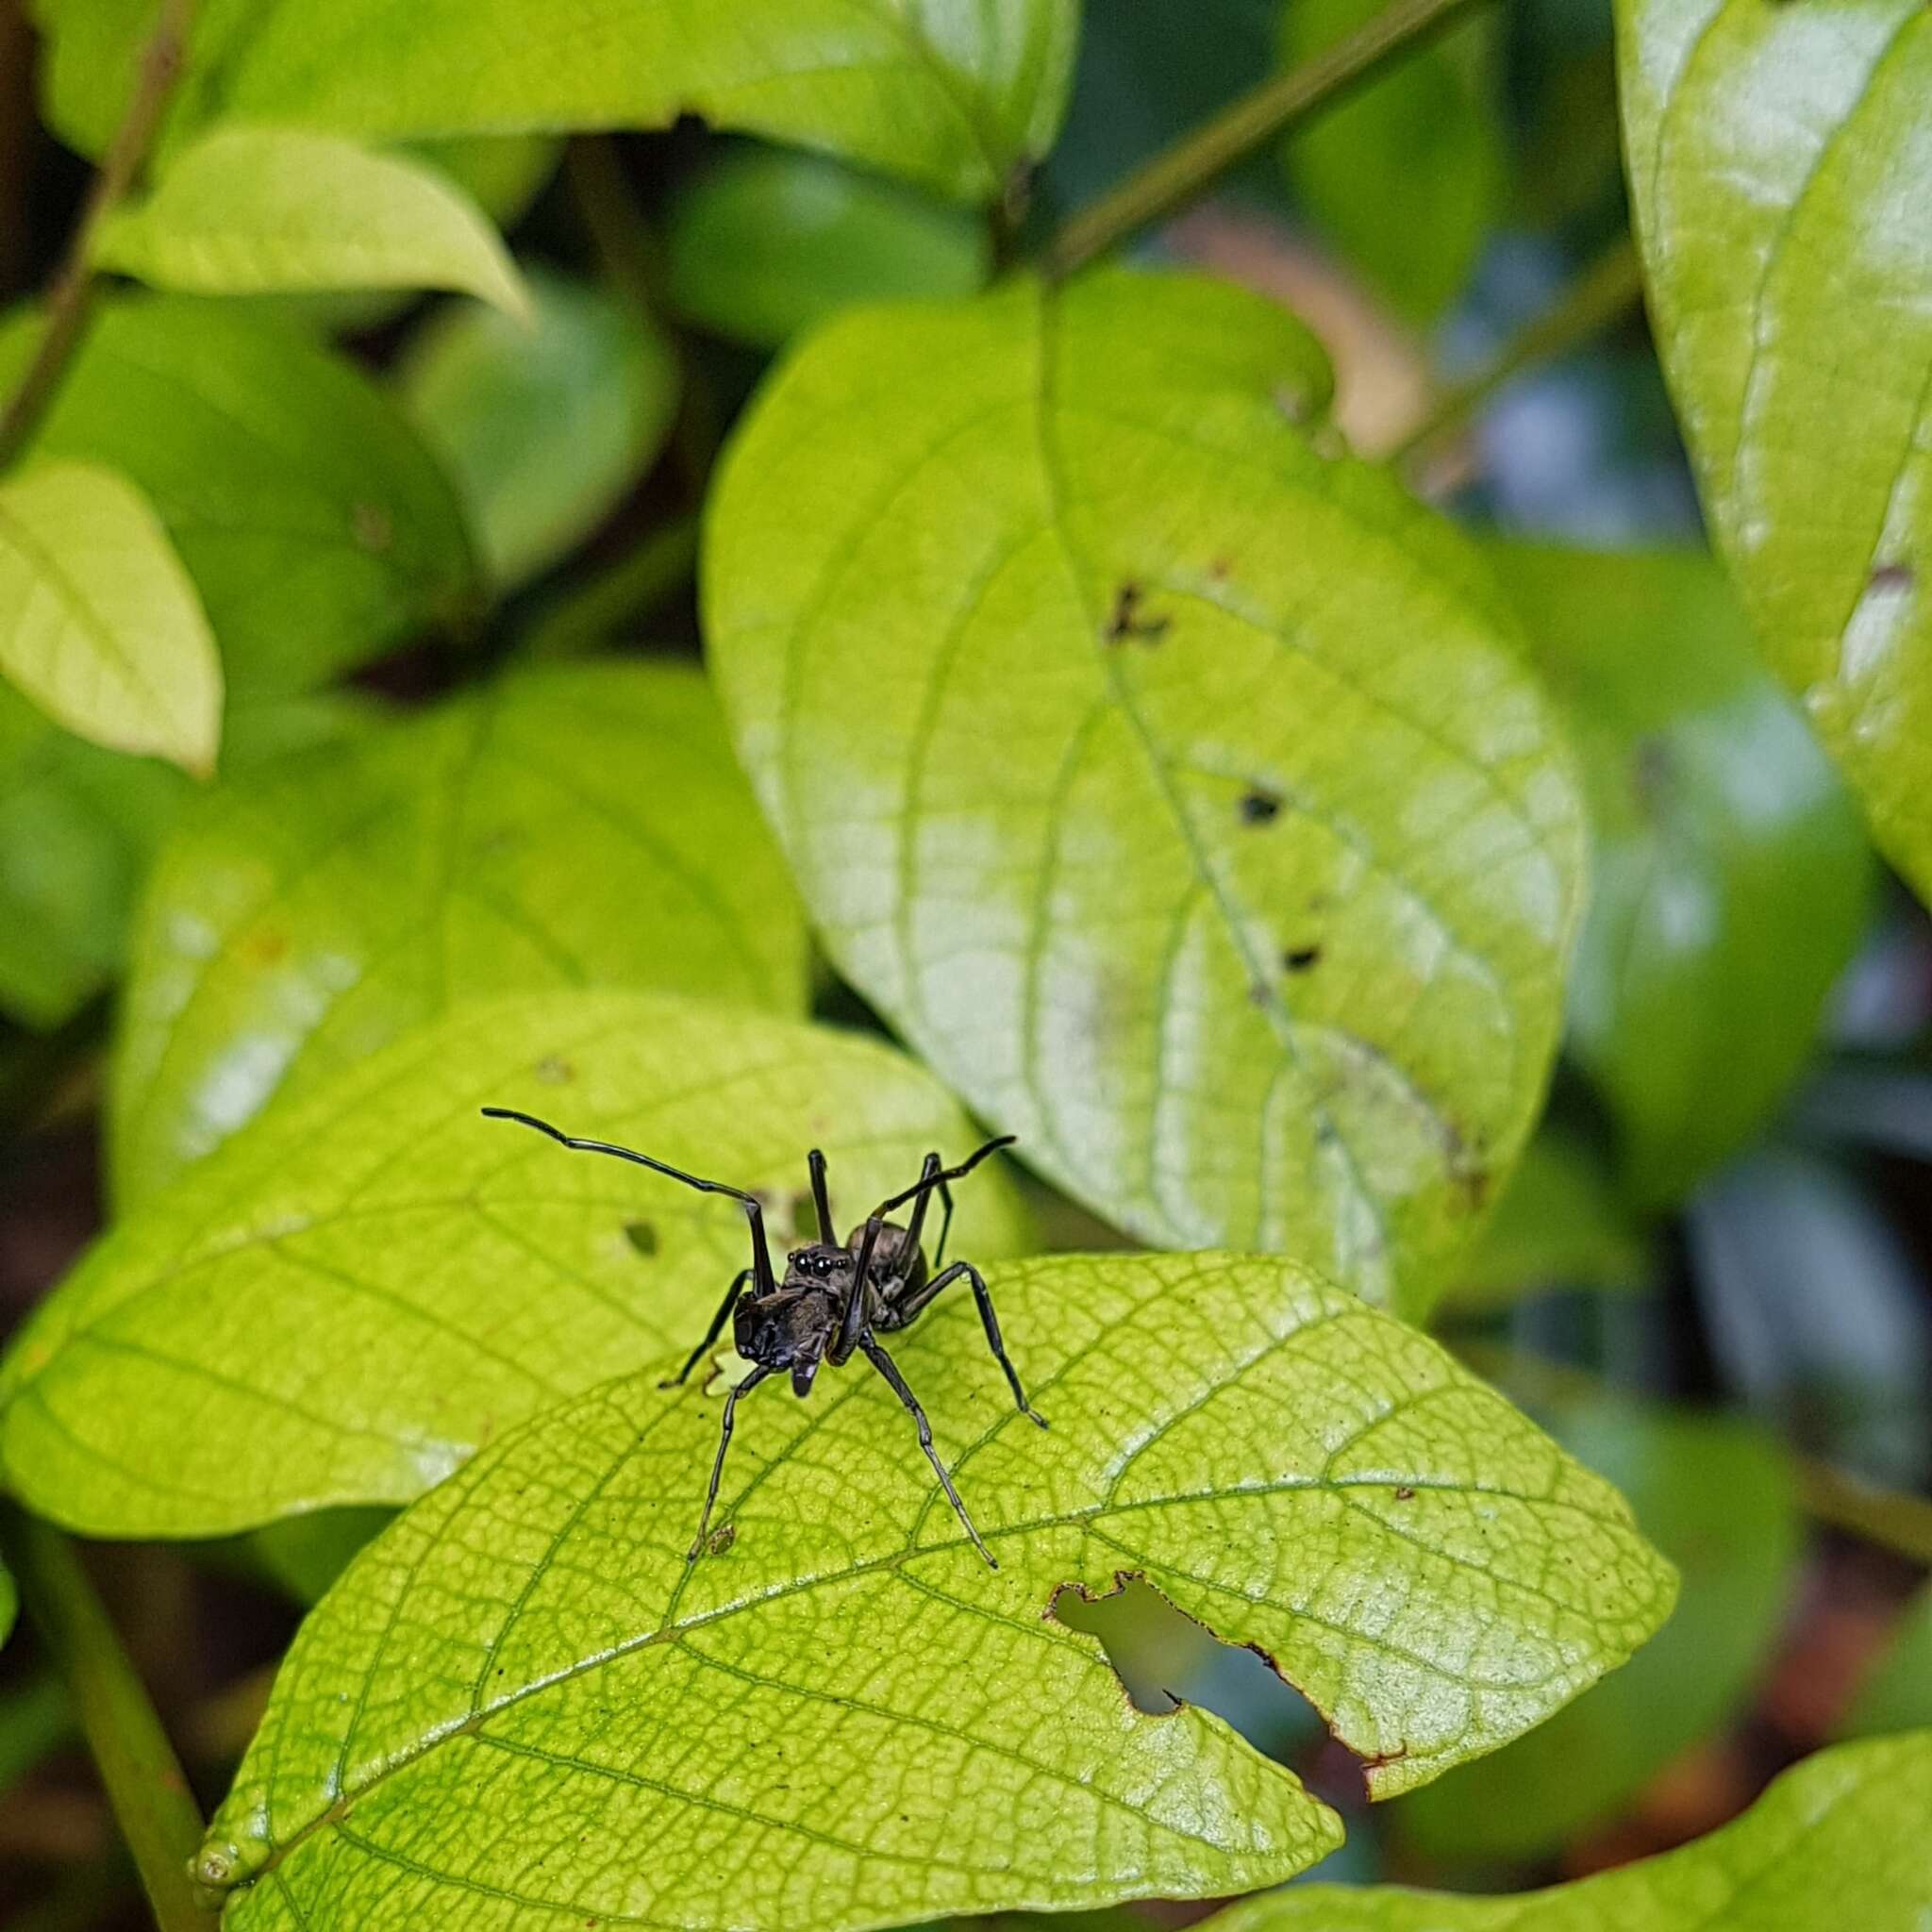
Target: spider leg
(821, 1200)
(713, 1333)
(929, 1178)
(934, 1179)
(907, 1307)
(890, 1370)
(760, 1253)
(750, 1382)
(852, 1323)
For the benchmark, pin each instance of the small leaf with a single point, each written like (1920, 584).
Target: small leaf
(581, 825)
(341, 1304)
(1732, 880)
(1410, 175)
(1896, 1695)
(99, 625)
(544, 429)
(955, 95)
(1175, 789)
(1839, 1840)
(768, 245)
(1716, 1496)
(256, 210)
(903, 1732)
(1777, 162)
(316, 527)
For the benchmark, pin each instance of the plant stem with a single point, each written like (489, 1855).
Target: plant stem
(143, 1781)
(1596, 298)
(70, 299)
(1184, 169)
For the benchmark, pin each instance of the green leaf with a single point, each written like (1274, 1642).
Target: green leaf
(1839, 1840)
(256, 210)
(341, 1304)
(305, 1553)
(316, 527)
(768, 245)
(1776, 161)
(1897, 1695)
(1732, 880)
(10, 1602)
(1174, 787)
(99, 625)
(576, 825)
(843, 1718)
(1716, 1496)
(958, 93)
(1561, 1223)
(543, 428)
(1410, 175)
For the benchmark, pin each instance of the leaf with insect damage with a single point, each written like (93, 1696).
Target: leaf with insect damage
(1173, 785)
(1778, 172)
(560, 827)
(1839, 1840)
(346, 1300)
(521, 1702)
(961, 94)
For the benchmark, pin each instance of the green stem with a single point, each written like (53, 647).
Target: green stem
(70, 299)
(593, 612)
(1209, 150)
(143, 1781)
(1594, 300)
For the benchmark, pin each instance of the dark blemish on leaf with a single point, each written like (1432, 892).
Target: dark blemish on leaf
(1405, 1494)
(1653, 772)
(642, 1236)
(371, 526)
(721, 1538)
(1301, 957)
(1221, 570)
(266, 948)
(1891, 576)
(1126, 620)
(554, 1072)
(1258, 806)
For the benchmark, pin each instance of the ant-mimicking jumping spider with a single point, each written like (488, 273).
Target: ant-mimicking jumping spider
(833, 1301)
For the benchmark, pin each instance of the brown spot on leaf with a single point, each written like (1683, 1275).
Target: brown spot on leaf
(371, 526)
(721, 1538)
(1127, 620)
(554, 1072)
(266, 947)
(1405, 1494)
(1891, 576)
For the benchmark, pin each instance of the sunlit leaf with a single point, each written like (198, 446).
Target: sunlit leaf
(99, 625)
(256, 210)
(316, 527)
(1175, 788)
(1778, 166)
(543, 428)
(842, 1718)
(580, 826)
(344, 1302)
(1716, 1496)
(1896, 1695)
(1840, 1841)
(958, 93)
(767, 244)
(1732, 877)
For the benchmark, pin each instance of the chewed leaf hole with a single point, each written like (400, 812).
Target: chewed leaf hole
(1165, 1658)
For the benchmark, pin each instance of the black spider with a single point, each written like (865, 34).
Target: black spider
(833, 1300)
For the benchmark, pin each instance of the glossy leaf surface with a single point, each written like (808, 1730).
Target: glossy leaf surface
(521, 1700)
(561, 827)
(343, 1303)
(1777, 163)
(1174, 787)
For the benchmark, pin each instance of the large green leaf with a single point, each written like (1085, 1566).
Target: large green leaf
(359, 1288)
(1409, 177)
(1175, 787)
(1777, 166)
(1716, 1497)
(544, 429)
(521, 1700)
(1896, 1695)
(580, 826)
(1840, 1841)
(958, 93)
(99, 625)
(1732, 877)
(256, 210)
(316, 527)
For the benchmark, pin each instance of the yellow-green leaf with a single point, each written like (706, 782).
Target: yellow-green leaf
(521, 1700)
(99, 625)
(261, 211)
(1840, 1841)
(1778, 166)
(1176, 787)
(359, 1288)
(579, 825)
